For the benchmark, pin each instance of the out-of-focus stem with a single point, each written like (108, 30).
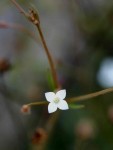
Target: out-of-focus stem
(5, 25)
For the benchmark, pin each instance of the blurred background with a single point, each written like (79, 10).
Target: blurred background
(79, 34)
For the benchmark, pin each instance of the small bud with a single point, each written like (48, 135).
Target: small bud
(33, 16)
(39, 136)
(25, 109)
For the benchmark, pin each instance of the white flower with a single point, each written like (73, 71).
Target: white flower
(56, 101)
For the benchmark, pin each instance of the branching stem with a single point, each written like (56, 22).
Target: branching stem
(79, 98)
(37, 24)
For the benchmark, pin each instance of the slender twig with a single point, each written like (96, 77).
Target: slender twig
(38, 103)
(49, 127)
(91, 95)
(54, 74)
(19, 8)
(79, 98)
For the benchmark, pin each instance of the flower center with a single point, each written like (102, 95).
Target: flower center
(56, 100)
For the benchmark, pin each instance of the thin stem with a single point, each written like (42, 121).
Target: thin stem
(19, 7)
(37, 103)
(91, 95)
(54, 74)
(79, 98)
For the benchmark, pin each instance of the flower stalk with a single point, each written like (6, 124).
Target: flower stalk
(79, 98)
(53, 71)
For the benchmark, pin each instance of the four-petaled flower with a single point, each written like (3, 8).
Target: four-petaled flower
(56, 101)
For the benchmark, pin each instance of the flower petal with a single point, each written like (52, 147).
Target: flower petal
(61, 94)
(50, 96)
(52, 107)
(63, 105)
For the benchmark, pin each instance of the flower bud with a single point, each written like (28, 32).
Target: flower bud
(25, 109)
(33, 16)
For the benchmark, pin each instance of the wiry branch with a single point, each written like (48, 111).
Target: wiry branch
(19, 8)
(79, 98)
(91, 95)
